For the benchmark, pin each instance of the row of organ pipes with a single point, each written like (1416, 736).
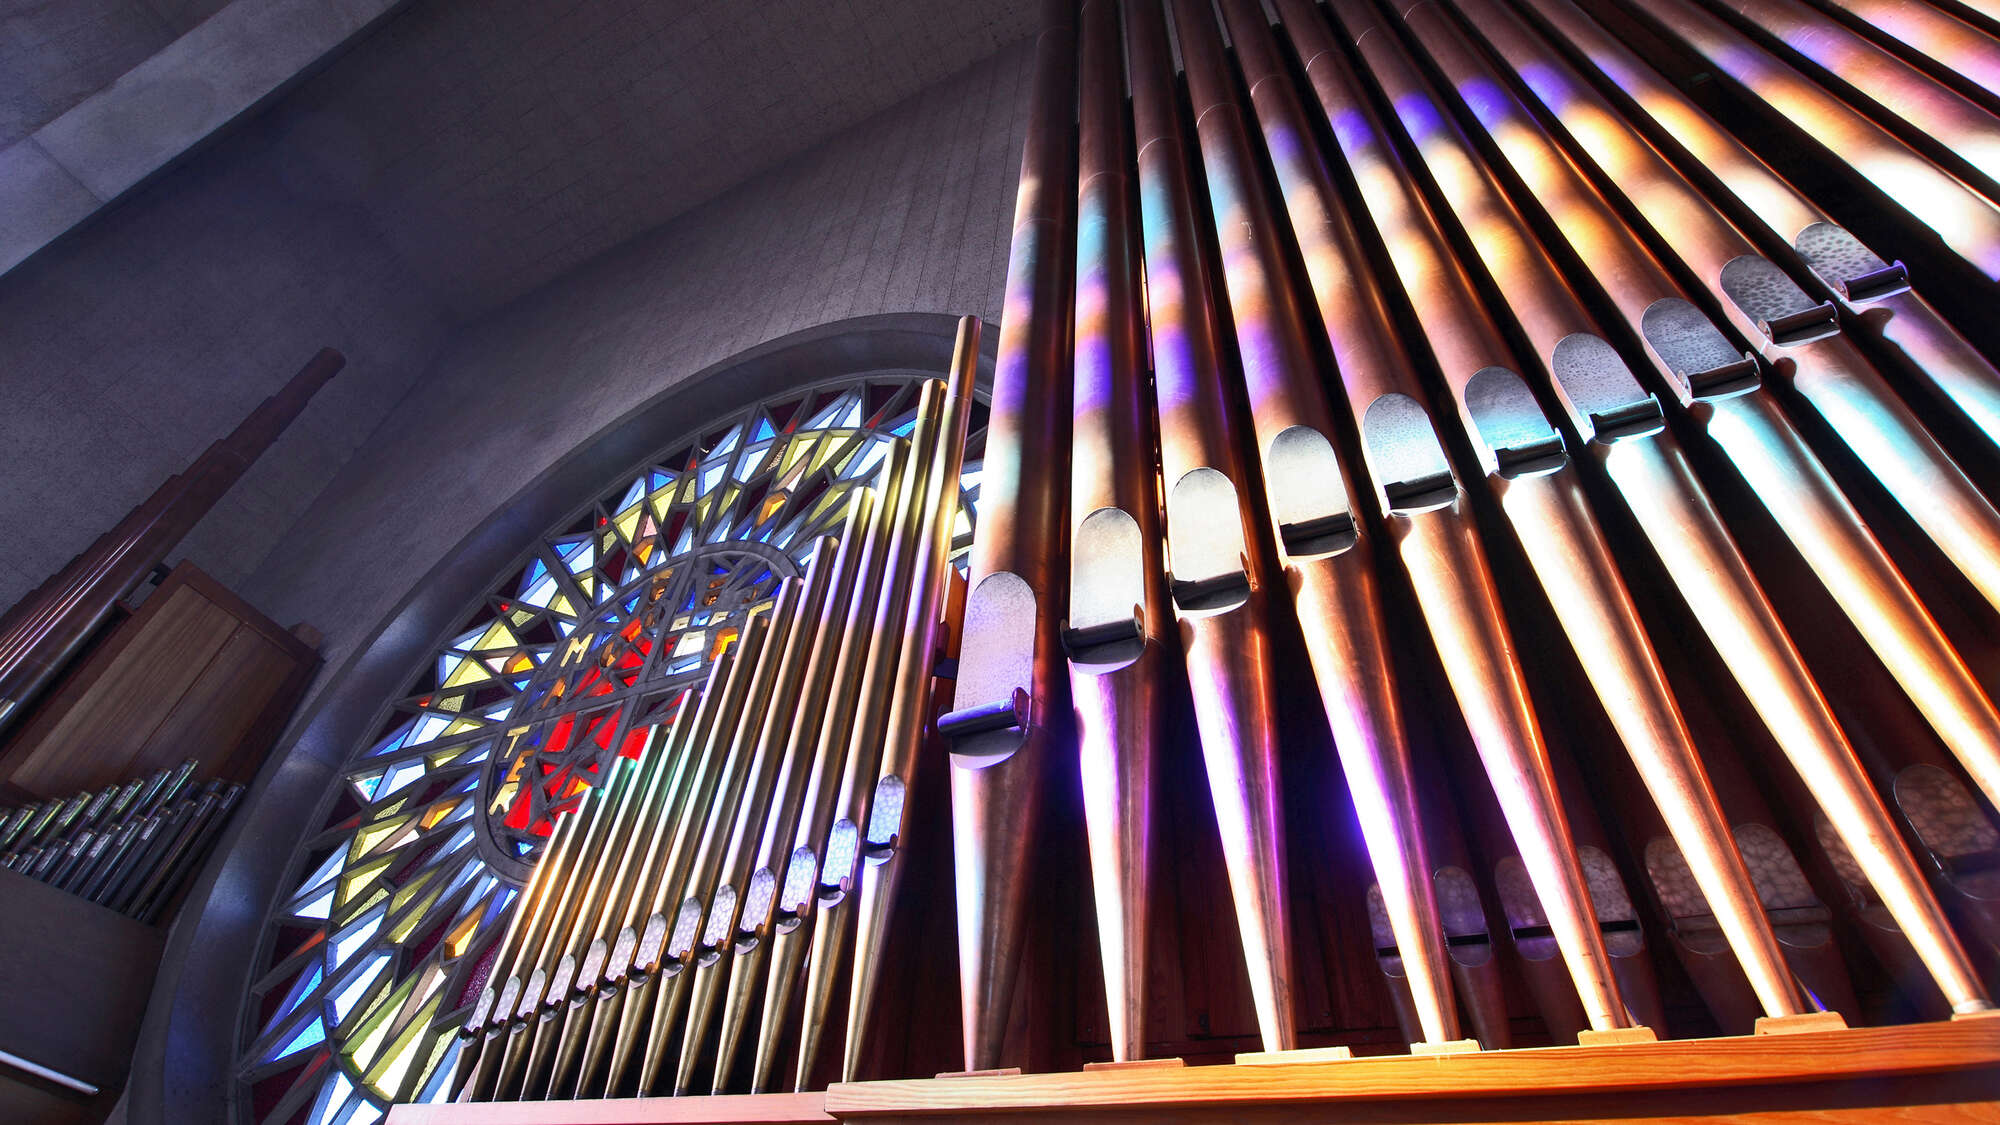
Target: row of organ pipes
(1528, 271)
(1392, 325)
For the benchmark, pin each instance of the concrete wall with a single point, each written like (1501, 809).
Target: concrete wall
(55, 53)
(909, 211)
(138, 340)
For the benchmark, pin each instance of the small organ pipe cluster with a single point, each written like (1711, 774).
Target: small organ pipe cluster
(129, 847)
(745, 863)
(1363, 329)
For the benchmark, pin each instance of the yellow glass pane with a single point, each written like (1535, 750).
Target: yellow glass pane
(407, 921)
(460, 937)
(386, 1076)
(441, 810)
(467, 672)
(373, 837)
(799, 448)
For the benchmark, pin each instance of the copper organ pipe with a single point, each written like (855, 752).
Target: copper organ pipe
(1442, 552)
(1116, 630)
(1370, 733)
(1010, 692)
(50, 625)
(1312, 508)
(1719, 382)
(1550, 290)
(1967, 221)
(1542, 502)
(1802, 342)
(1929, 109)
(1964, 56)
(1879, 296)
(1616, 420)
(1617, 147)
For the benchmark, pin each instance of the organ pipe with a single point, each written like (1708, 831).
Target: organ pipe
(1010, 695)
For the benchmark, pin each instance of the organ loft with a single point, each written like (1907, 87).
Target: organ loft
(1103, 561)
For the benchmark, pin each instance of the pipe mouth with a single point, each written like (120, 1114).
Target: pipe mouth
(1217, 594)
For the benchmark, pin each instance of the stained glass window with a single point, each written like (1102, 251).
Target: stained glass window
(395, 906)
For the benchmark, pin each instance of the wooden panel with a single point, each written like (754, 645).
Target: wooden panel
(230, 694)
(1940, 1072)
(25, 1103)
(92, 733)
(75, 978)
(733, 1109)
(196, 673)
(1836, 1057)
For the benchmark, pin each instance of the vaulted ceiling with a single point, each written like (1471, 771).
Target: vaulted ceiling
(497, 143)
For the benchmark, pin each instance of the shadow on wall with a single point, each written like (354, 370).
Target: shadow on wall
(183, 1067)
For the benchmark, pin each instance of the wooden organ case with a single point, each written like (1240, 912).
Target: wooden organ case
(1486, 606)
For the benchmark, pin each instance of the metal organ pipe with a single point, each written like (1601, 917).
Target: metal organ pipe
(1009, 716)
(1616, 420)
(1372, 743)
(1706, 369)
(1799, 337)
(1966, 220)
(1522, 459)
(1925, 108)
(1879, 296)
(1117, 630)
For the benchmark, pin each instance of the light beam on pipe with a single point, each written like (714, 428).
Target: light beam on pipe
(1010, 683)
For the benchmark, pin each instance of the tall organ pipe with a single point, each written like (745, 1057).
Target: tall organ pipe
(1454, 585)
(1313, 509)
(712, 958)
(1117, 629)
(1967, 57)
(1371, 738)
(1967, 221)
(1528, 469)
(43, 632)
(911, 712)
(1801, 338)
(1879, 295)
(1802, 343)
(1926, 108)
(1009, 695)
(1718, 385)
(1621, 428)
(1618, 422)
